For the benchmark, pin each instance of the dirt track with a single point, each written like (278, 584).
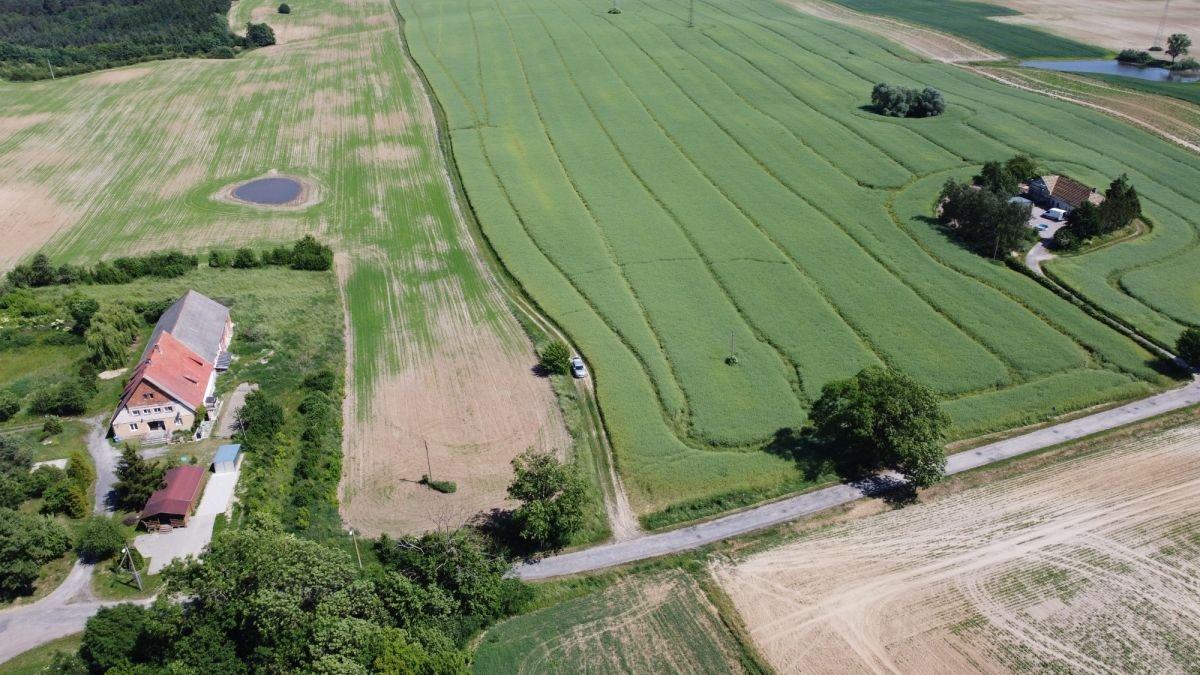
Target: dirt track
(1089, 566)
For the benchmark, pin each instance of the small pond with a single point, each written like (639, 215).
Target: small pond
(273, 191)
(1109, 67)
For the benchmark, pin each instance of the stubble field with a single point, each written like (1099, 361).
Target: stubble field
(671, 195)
(1087, 566)
(130, 159)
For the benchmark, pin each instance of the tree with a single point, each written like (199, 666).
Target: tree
(100, 538)
(895, 101)
(1120, 206)
(1188, 346)
(1021, 168)
(1085, 221)
(26, 543)
(285, 9)
(117, 637)
(219, 258)
(883, 419)
(984, 221)
(1187, 64)
(556, 358)
(10, 405)
(552, 495)
(259, 35)
(1177, 45)
(137, 479)
(110, 333)
(53, 426)
(260, 415)
(82, 309)
(65, 399)
(996, 177)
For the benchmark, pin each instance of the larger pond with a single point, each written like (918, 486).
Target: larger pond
(1110, 67)
(273, 191)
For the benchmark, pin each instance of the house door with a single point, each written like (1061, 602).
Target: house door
(158, 425)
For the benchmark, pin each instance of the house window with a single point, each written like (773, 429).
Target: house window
(169, 408)
(158, 410)
(133, 427)
(136, 412)
(178, 421)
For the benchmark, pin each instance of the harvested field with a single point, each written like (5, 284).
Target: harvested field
(658, 623)
(1084, 566)
(1116, 24)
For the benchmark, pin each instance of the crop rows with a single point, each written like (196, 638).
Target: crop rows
(672, 195)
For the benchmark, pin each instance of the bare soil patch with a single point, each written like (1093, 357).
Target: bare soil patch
(926, 42)
(118, 76)
(29, 217)
(1115, 24)
(11, 124)
(1084, 566)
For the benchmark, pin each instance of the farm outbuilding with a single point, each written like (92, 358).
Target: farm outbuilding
(172, 506)
(228, 458)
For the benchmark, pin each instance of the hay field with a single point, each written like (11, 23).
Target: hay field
(1115, 24)
(665, 191)
(130, 160)
(660, 623)
(1086, 566)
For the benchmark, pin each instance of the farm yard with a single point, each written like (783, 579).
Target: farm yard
(131, 160)
(675, 196)
(1083, 566)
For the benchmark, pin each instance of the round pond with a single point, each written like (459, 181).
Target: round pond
(273, 191)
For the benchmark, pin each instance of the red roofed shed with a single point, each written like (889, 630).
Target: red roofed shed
(173, 504)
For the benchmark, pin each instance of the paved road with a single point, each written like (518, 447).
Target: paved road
(105, 456)
(650, 546)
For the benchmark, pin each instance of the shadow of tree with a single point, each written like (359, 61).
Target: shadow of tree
(816, 457)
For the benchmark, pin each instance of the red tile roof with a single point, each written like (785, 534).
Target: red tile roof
(1069, 191)
(183, 484)
(170, 366)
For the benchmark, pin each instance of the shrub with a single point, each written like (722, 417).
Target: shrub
(259, 35)
(443, 486)
(41, 479)
(52, 426)
(219, 258)
(26, 543)
(1137, 56)
(245, 259)
(100, 538)
(284, 9)
(10, 405)
(310, 254)
(64, 399)
(556, 358)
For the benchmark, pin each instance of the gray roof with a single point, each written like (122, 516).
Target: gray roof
(195, 320)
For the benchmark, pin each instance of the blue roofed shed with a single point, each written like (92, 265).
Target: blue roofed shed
(228, 458)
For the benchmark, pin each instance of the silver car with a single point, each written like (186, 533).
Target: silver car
(577, 368)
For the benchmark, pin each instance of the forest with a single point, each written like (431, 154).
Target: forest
(78, 36)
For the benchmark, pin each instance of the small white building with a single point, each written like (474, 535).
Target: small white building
(228, 458)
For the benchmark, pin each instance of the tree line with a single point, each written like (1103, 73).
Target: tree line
(78, 36)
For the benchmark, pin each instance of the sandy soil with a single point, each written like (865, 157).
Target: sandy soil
(117, 76)
(1115, 24)
(923, 41)
(29, 217)
(1086, 566)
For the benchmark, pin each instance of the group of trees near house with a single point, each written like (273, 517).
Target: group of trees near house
(980, 214)
(39, 271)
(78, 36)
(897, 101)
(1088, 221)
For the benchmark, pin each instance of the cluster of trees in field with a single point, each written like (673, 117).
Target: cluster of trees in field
(979, 214)
(1088, 221)
(896, 101)
(306, 254)
(1178, 45)
(78, 36)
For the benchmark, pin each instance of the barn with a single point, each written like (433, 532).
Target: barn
(171, 506)
(228, 458)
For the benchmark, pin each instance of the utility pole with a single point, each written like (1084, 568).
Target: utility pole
(356, 553)
(1162, 25)
(127, 556)
(428, 463)
(51, 69)
(692, 14)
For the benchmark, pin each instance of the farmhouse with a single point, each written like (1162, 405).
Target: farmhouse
(177, 371)
(1060, 192)
(172, 505)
